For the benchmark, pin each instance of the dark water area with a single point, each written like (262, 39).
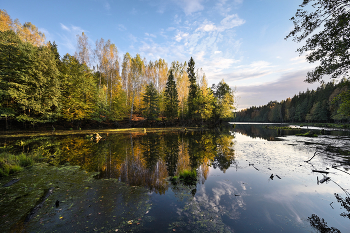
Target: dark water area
(249, 178)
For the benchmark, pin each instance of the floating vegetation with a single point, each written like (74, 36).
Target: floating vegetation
(188, 177)
(307, 134)
(281, 127)
(84, 203)
(10, 163)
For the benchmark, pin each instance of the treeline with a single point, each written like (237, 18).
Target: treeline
(38, 85)
(329, 103)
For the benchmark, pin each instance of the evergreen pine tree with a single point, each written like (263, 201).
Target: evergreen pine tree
(150, 100)
(193, 91)
(171, 98)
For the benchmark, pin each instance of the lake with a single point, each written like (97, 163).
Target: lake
(247, 178)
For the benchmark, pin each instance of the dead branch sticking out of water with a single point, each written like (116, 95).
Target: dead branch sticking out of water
(312, 156)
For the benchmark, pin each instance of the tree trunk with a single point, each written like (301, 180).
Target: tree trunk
(132, 106)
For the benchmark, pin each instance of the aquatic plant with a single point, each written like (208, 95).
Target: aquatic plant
(10, 163)
(188, 177)
(307, 134)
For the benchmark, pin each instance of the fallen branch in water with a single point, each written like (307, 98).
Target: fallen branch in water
(320, 171)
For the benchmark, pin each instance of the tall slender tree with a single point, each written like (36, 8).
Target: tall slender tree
(171, 98)
(150, 100)
(193, 89)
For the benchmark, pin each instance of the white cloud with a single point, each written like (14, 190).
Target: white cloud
(217, 52)
(190, 6)
(231, 21)
(177, 19)
(207, 27)
(228, 22)
(180, 35)
(64, 27)
(152, 35)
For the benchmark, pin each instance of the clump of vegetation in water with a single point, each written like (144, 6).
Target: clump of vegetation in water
(281, 127)
(307, 134)
(10, 163)
(187, 177)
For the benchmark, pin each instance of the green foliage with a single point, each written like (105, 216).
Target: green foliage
(28, 79)
(78, 90)
(224, 100)
(188, 177)
(330, 45)
(150, 100)
(171, 98)
(205, 103)
(193, 90)
(320, 105)
(343, 111)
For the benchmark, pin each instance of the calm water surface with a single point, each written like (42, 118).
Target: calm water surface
(250, 178)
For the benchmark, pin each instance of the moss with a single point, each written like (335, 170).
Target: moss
(83, 202)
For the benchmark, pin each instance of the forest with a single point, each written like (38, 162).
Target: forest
(328, 103)
(97, 86)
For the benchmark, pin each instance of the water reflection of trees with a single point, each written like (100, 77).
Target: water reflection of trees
(139, 159)
(260, 131)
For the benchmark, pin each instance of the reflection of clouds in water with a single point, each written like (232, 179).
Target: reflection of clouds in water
(209, 207)
(290, 196)
(243, 186)
(223, 200)
(268, 216)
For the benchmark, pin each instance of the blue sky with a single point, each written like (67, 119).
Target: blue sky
(240, 41)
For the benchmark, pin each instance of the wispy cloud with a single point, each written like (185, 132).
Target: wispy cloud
(150, 35)
(180, 35)
(228, 22)
(64, 27)
(190, 6)
(68, 37)
(121, 27)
